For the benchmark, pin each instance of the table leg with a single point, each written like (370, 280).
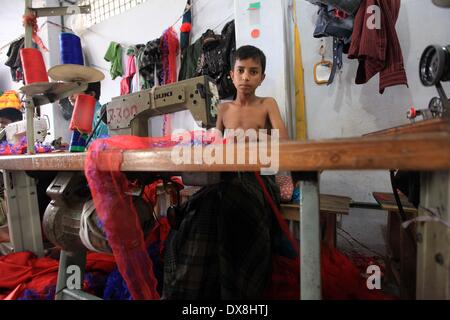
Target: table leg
(70, 277)
(433, 237)
(24, 222)
(310, 281)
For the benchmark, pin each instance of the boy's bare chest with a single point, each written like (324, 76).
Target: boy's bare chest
(245, 118)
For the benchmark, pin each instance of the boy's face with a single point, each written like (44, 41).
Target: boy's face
(247, 75)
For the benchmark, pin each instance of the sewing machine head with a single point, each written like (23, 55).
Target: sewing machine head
(434, 68)
(17, 130)
(129, 114)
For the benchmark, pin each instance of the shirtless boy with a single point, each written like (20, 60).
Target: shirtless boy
(230, 221)
(247, 111)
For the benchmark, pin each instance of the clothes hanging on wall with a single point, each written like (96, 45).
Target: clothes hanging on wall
(130, 71)
(212, 55)
(190, 61)
(378, 50)
(169, 50)
(114, 55)
(14, 62)
(217, 53)
(186, 26)
(137, 80)
(150, 64)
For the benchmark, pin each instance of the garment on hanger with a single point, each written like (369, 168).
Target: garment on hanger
(217, 53)
(169, 51)
(211, 55)
(14, 62)
(125, 84)
(190, 59)
(186, 26)
(378, 49)
(114, 55)
(151, 64)
(137, 78)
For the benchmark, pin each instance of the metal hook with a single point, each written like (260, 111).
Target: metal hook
(322, 49)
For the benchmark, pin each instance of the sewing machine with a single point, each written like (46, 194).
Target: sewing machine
(129, 114)
(70, 220)
(17, 130)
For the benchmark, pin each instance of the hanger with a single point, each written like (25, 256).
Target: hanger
(11, 42)
(322, 69)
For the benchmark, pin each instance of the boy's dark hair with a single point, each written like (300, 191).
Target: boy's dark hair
(12, 114)
(250, 52)
(94, 87)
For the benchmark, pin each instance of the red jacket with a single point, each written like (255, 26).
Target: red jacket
(378, 50)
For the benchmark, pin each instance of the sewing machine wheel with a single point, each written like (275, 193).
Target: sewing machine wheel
(71, 210)
(434, 65)
(78, 227)
(436, 107)
(92, 234)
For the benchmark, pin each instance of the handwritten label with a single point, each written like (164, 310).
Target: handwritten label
(118, 115)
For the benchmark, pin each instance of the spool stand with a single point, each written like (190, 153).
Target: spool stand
(55, 91)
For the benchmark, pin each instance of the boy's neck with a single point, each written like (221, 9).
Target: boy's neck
(244, 100)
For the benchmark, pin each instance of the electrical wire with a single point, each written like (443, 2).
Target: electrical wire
(361, 244)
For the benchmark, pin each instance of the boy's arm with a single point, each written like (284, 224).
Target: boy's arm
(275, 118)
(219, 122)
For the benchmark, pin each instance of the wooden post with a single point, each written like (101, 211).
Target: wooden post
(433, 238)
(29, 105)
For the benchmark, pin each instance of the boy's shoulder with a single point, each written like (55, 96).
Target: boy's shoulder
(267, 102)
(223, 106)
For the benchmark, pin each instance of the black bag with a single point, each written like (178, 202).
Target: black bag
(349, 6)
(329, 24)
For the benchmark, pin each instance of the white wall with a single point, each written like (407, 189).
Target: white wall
(345, 109)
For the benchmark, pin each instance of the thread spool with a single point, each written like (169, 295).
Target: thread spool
(34, 69)
(83, 113)
(71, 51)
(78, 142)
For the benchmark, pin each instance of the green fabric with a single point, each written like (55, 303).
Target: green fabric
(114, 55)
(255, 6)
(77, 149)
